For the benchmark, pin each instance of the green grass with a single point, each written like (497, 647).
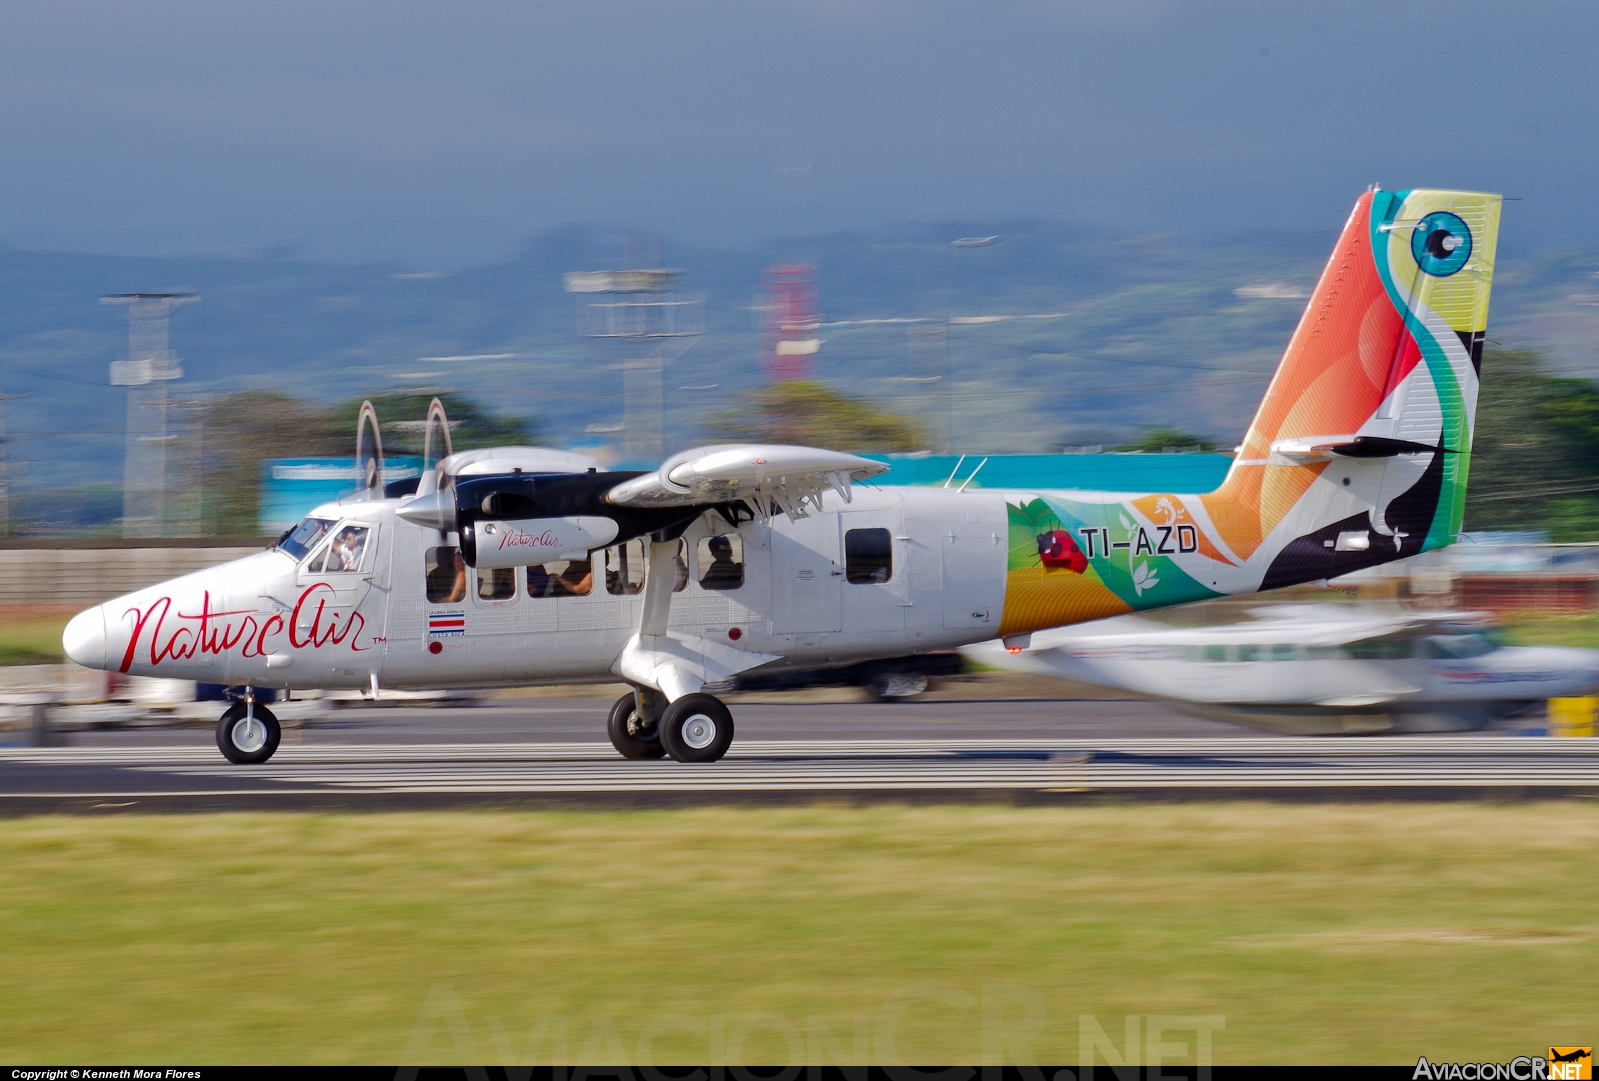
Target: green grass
(1359, 933)
(1580, 630)
(31, 633)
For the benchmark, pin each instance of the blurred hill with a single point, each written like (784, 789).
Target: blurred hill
(1055, 335)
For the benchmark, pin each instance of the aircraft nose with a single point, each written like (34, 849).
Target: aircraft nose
(84, 638)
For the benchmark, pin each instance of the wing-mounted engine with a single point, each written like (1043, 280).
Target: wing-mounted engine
(522, 517)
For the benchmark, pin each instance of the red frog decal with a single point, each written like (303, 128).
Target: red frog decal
(1057, 551)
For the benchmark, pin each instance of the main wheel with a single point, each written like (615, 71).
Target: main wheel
(696, 728)
(632, 735)
(245, 743)
(887, 685)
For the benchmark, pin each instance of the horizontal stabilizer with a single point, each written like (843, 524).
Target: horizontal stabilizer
(771, 478)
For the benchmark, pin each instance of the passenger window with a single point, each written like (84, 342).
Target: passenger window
(624, 569)
(1215, 653)
(868, 556)
(1282, 653)
(722, 562)
(561, 578)
(496, 584)
(1249, 653)
(1381, 649)
(1323, 653)
(446, 575)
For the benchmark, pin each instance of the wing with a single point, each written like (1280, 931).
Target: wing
(771, 478)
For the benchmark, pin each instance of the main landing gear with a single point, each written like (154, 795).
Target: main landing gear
(248, 734)
(695, 728)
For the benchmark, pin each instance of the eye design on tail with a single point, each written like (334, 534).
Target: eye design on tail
(1057, 551)
(1441, 243)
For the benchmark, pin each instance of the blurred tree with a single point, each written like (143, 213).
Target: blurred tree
(1162, 439)
(402, 414)
(238, 431)
(811, 413)
(1535, 452)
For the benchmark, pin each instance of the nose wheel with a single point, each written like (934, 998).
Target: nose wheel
(246, 736)
(696, 728)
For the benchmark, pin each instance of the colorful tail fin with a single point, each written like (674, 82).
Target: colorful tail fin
(1379, 386)
(1358, 454)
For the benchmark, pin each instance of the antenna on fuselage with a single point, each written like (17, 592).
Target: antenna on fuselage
(369, 463)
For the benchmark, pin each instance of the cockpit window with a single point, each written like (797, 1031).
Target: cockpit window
(1459, 646)
(305, 536)
(344, 553)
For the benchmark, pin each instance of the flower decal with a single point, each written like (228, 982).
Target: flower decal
(1144, 578)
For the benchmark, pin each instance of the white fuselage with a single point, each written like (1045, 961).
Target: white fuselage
(273, 620)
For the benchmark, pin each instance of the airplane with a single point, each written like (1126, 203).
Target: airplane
(520, 565)
(1314, 669)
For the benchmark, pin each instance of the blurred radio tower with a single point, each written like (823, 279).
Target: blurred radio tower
(789, 322)
(148, 368)
(640, 306)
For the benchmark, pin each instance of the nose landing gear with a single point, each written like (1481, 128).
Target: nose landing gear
(248, 734)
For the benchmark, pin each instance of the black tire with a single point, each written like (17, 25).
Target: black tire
(632, 735)
(696, 728)
(890, 685)
(232, 741)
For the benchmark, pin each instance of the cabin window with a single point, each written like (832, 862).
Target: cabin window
(496, 584)
(304, 537)
(624, 569)
(1250, 653)
(561, 578)
(1322, 653)
(1215, 653)
(1380, 649)
(446, 575)
(722, 562)
(868, 556)
(1282, 653)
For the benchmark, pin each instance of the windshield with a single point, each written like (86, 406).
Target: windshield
(1459, 646)
(305, 536)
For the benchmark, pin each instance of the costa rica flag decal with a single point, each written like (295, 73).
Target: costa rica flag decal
(443, 624)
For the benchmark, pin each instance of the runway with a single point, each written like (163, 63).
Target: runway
(378, 761)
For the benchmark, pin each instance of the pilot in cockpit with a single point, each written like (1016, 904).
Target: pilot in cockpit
(344, 554)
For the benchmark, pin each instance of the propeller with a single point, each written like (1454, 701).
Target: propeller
(369, 465)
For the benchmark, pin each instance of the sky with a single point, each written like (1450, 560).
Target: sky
(437, 135)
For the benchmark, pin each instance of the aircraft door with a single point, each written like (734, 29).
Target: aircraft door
(807, 578)
(974, 575)
(341, 600)
(875, 572)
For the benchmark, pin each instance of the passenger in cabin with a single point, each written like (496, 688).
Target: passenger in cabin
(680, 568)
(540, 582)
(458, 586)
(576, 580)
(723, 573)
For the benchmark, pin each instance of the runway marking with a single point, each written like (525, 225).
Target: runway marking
(1063, 765)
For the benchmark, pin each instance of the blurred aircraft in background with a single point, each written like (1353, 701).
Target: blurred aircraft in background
(1313, 669)
(517, 565)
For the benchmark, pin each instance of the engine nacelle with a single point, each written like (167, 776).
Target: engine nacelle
(489, 544)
